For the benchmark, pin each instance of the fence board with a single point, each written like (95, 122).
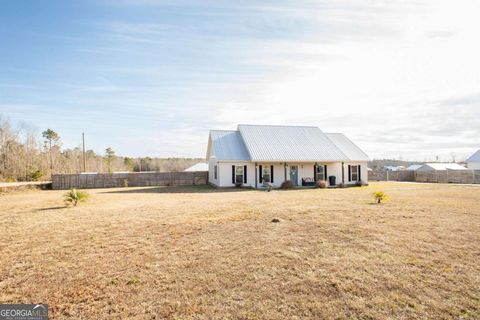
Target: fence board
(440, 176)
(131, 179)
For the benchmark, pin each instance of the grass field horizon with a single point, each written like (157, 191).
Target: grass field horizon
(204, 253)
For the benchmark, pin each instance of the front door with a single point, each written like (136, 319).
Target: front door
(294, 175)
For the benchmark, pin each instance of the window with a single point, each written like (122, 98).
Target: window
(320, 173)
(215, 172)
(239, 174)
(266, 174)
(354, 173)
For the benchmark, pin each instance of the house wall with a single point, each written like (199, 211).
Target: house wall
(224, 177)
(473, 165)
(305, 170)
(211, 177)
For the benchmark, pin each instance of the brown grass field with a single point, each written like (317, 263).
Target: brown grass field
(201, 253)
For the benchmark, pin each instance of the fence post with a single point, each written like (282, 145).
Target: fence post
(387, 175)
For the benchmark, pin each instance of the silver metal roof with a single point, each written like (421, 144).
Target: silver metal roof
(441, 166)
(474, 157)
(414, 167)
(228, 145)
(350, 149)
(283, 143)
(289, 143)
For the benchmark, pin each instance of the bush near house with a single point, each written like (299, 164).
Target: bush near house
(288, 184)
(321, 184)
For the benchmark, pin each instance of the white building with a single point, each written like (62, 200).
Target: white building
(436, 166)
(474, 161)
(254, 154)
(201, 166)
(394, 168)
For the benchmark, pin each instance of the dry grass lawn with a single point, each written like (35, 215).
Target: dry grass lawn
(200, 253)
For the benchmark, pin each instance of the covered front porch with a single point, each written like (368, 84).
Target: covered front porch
(302, 174)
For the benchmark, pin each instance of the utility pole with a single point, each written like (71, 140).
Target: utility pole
(84, 158)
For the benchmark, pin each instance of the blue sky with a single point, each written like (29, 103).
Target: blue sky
(152, 77)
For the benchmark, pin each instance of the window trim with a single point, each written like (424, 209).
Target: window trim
(352, 173)
(269, 173)
(238, 174)
(318, 173)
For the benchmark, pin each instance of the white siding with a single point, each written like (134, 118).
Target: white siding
(305, 170)
(225, 174)
(211, 171)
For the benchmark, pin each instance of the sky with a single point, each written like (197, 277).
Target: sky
(151, 78)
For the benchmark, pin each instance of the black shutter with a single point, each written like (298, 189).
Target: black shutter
(349, 173)
(260, 174)
(359, 174)
(233, 174)
(314, 173)
(244, 174)
(271, 174)
(325, 173)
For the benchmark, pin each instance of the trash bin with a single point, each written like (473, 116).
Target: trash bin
(332, 180)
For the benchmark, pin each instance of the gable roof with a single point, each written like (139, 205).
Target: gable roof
(282, 143)
(441, 166)
(350, 149)
(286, 143)
(474, 157)
(228, 145)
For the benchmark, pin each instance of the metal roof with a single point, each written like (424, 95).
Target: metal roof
(350, 149)
(441, 166)
(474, 157)
(414, 167)
(228, 145)
(283, 143)
(289, 143)
(201, 166)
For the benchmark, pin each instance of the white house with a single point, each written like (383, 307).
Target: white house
(474, 161)
(436, 166)
(254, 154)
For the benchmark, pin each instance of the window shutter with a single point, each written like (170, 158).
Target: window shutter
(244, 174)
(359, 174)
(349, 173)
(271, 174)
(261, 174)
(314, 173)
(233, 174)
(325, 173)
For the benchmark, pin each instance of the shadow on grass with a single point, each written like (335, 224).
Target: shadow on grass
(178, 189)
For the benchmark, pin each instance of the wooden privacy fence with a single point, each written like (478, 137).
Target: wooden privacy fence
(439, 176)
(129, 179)
(391, 175)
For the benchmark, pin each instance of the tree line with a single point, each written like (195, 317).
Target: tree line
(27, 155)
